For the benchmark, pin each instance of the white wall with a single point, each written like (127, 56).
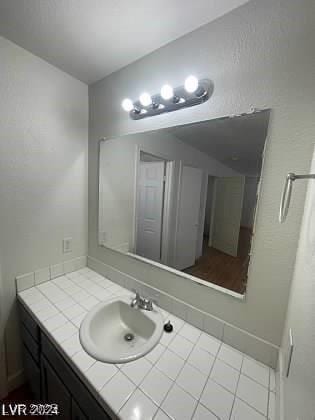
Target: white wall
(299, 387)
(118, 172)
(261, 55)
(249, 203)
(43, 172)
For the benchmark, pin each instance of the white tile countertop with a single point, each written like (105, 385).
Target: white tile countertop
(188, 375)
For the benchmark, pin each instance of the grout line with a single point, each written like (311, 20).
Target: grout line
(59, 310)
(70, 321)
(238, 381)
(268, 404)
(207, 380)
(254, 380)
(245, 402)
(153, 365)
(185, 361)
(252, 407)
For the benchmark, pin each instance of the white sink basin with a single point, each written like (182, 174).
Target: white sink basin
(114, 332)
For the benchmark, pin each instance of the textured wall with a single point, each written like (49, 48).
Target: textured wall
(43, 172)
(261, 54)
(299, 388)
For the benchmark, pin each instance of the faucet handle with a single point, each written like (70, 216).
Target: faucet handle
(151, 301)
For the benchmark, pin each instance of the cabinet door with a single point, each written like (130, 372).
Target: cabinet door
(76, 412)
(54, 391)
(32, 373)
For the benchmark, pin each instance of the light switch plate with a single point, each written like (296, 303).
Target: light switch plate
(67, 245)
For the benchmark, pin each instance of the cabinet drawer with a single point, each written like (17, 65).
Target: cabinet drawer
(92, 409)
(29, 323)
(30, 343)
(32, 373)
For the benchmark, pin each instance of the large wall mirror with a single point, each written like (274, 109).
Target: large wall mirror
(185, 196)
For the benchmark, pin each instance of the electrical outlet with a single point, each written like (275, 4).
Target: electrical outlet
(67, 245)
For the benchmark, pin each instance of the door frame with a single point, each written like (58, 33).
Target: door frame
(214, 198)
(167, 212)
(179, 188)
(202, 212)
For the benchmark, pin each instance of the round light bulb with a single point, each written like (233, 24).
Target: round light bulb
(191, 84)
(167, 92)
(127, 104)
(145, 99)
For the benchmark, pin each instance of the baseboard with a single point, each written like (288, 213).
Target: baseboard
(253, 346)
(16, 380)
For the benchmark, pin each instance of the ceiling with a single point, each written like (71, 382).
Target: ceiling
(236, 142)
(90, 39)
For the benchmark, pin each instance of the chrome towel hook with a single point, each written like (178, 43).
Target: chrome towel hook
(287, 191)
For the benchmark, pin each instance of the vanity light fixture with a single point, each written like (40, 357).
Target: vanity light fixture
(193, 92)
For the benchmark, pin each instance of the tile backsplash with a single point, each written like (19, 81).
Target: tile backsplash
(25, 281)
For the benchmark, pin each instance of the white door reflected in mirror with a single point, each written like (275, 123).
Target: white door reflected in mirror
(149, 216)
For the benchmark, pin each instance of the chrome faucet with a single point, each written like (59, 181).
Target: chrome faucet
(142, 303)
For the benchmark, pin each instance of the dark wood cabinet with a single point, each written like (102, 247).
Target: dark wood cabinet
(54, 391)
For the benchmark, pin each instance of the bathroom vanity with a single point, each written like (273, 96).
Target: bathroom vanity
(177, 378)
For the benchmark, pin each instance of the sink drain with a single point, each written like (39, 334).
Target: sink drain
(129, 337)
